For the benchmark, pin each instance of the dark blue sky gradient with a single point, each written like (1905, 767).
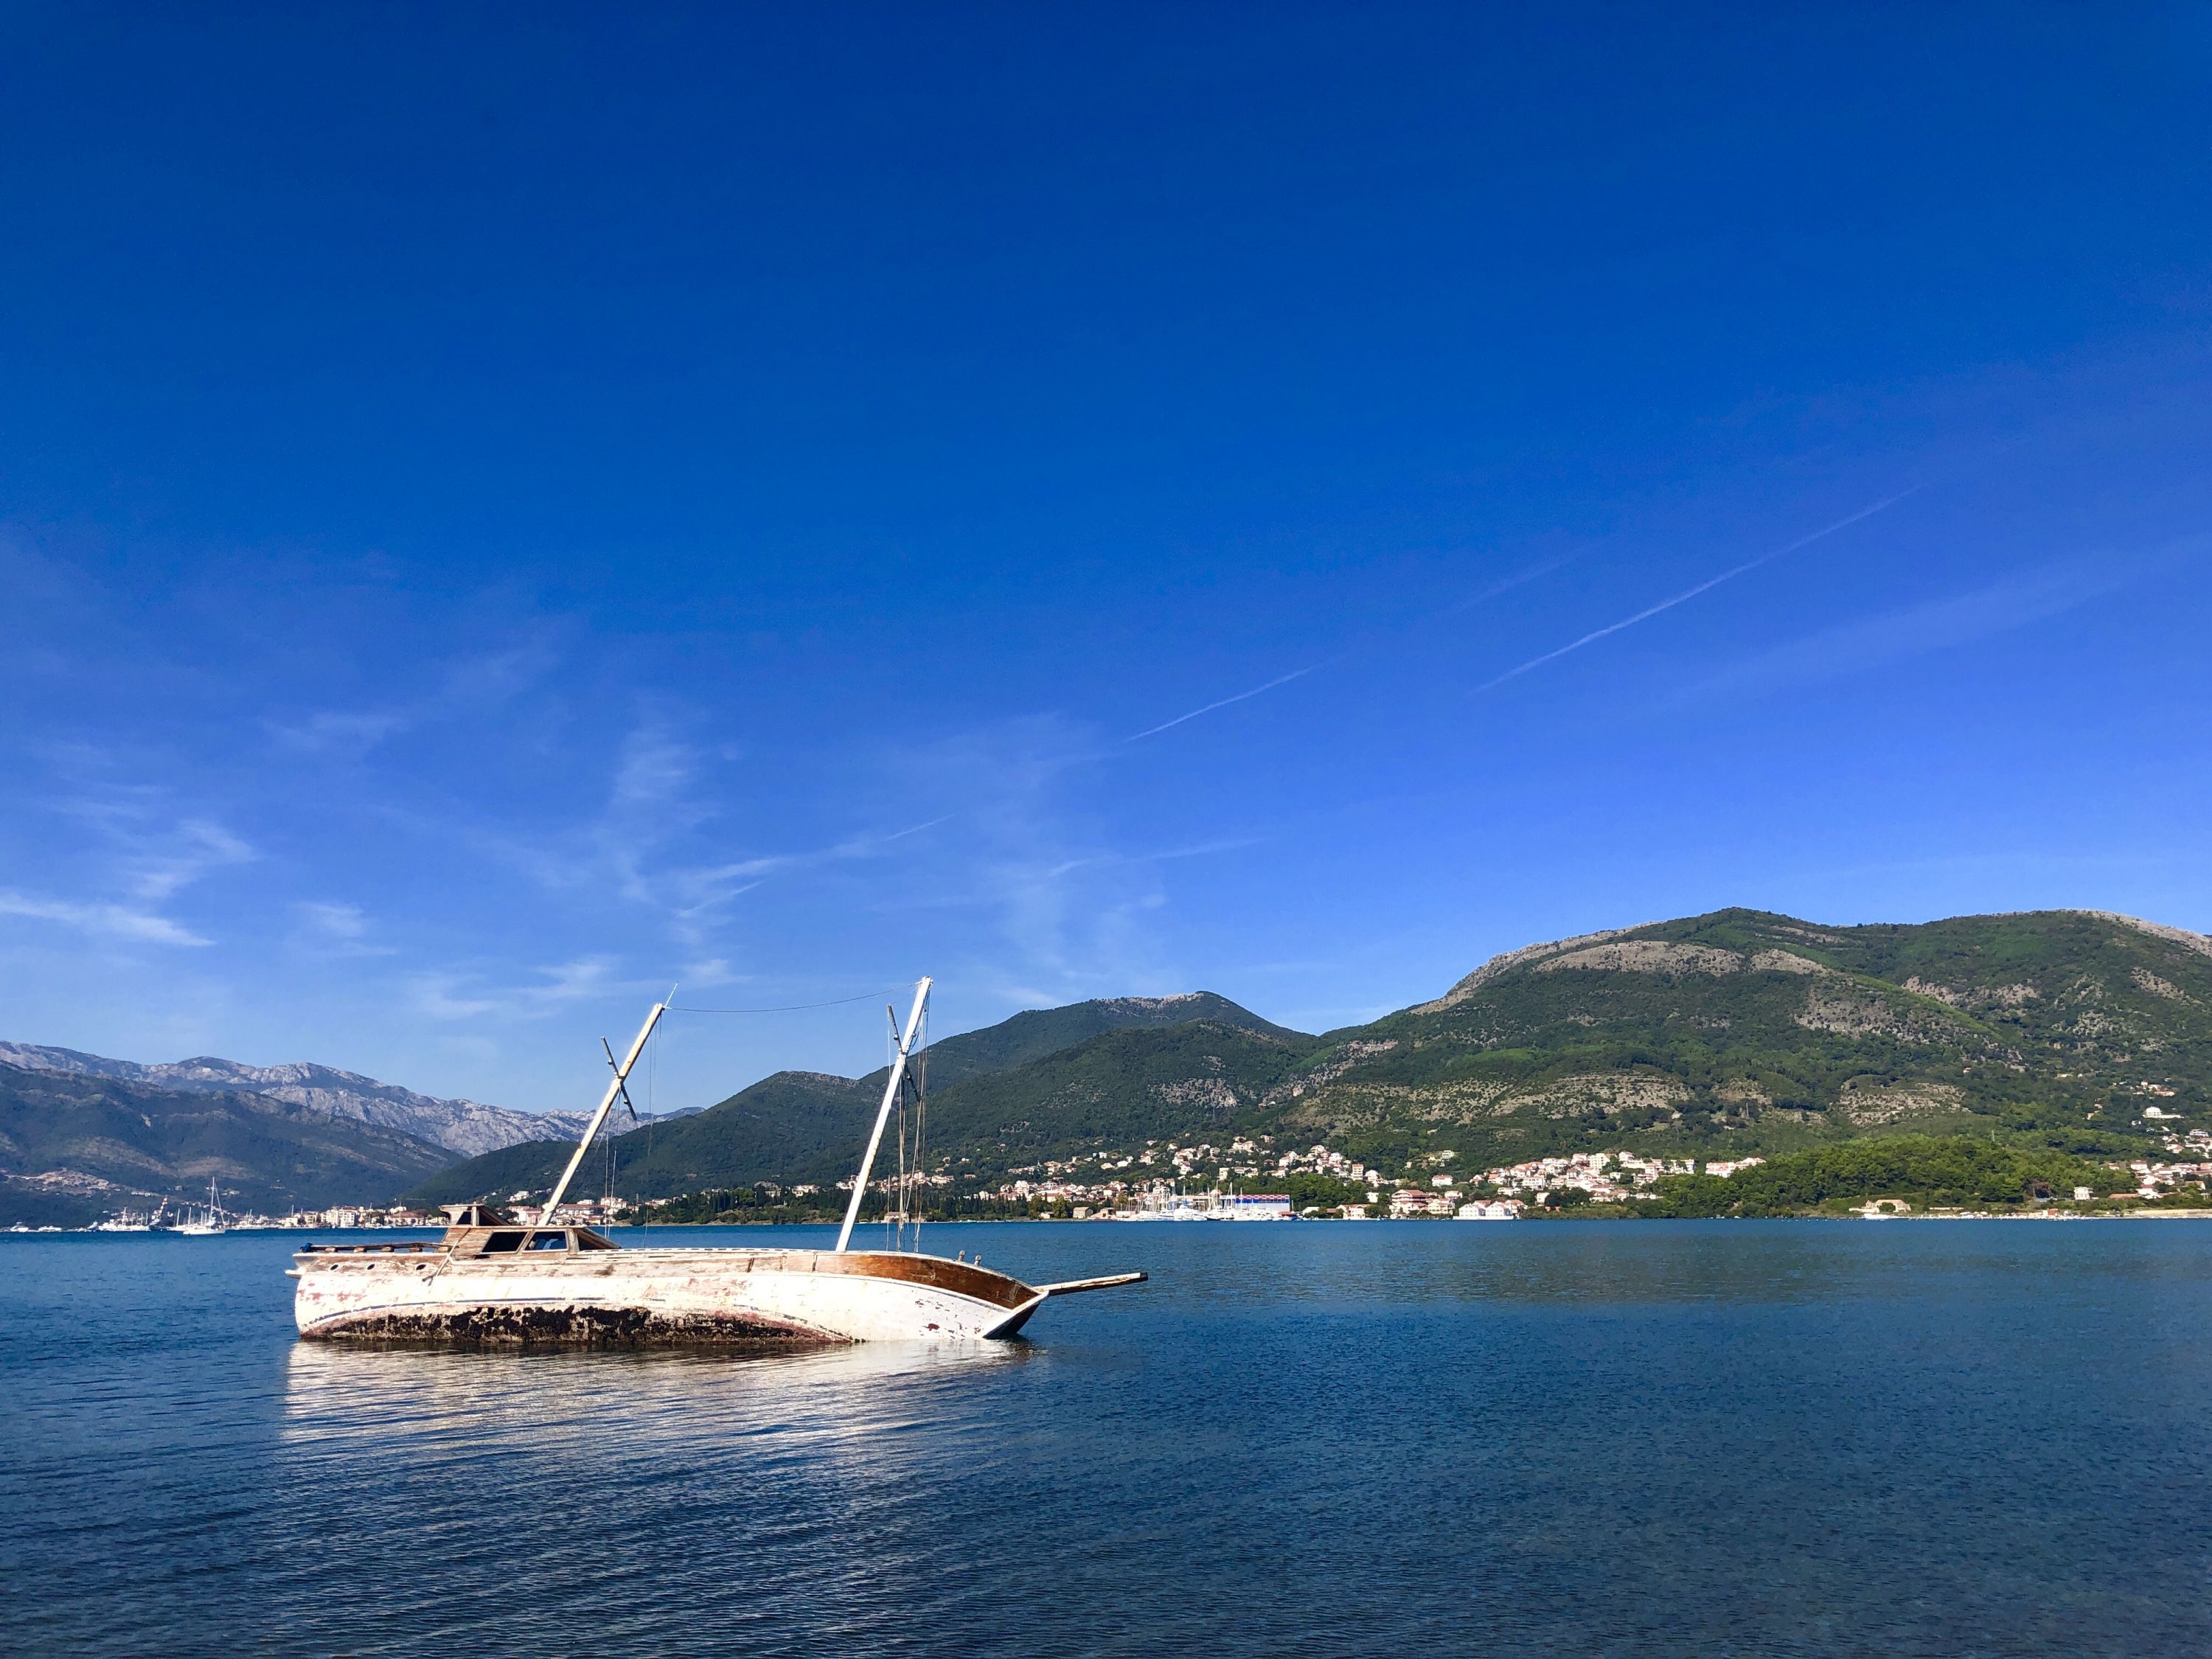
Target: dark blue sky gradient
(505, 508)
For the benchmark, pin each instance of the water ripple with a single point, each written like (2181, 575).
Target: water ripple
(1628, 1439)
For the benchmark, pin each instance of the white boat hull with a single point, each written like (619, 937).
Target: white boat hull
(498, 1279)
(655, 1297)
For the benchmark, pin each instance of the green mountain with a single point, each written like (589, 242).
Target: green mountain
(808, 1126)
(1721, 1034)
(1040, 1032)
(1116, 1092)
(75, 1147)
(1742, 1030)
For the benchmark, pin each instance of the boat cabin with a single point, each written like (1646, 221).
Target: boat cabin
(478, 1229)
(514, 1241)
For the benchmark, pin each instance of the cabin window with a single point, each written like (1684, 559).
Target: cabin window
(502, 1241)
(549, 1240)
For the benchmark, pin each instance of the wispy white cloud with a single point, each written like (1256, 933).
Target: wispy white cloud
(696, 897)
(136, 857)
(651, 801)
(100, 919)
(2016, 601)
(166, 862)
(338, 920)
(644, 843)
(712, 971)
(350, 731)
(335, 931)
(463, 685)
(657, 801)
(1687, 594)
(458, 996)
(1068, 913)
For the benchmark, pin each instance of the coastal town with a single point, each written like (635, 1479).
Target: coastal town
(1246, 1180)
(1429, 1187)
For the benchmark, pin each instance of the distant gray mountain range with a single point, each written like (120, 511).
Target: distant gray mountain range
(464, 1127)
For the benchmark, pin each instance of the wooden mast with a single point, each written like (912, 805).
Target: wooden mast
(615, 1090)
(883, 1113)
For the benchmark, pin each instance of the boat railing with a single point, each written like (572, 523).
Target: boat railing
(396, 1247)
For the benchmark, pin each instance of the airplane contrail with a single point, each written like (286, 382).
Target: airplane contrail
(1154, 730)
(1706, 586)
(1505, 585)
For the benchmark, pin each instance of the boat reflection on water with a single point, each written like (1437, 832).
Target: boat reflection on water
(342, 1399)
(523, 1493)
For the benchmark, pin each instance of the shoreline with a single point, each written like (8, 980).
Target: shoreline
(2204, 1214)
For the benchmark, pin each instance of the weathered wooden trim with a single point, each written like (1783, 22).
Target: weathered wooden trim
(960, 1278)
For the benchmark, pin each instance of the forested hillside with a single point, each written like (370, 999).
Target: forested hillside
(1734, 1032)
(1744, 1030)
(808, 1126)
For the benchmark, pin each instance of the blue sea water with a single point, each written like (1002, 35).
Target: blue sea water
(1723, 1438)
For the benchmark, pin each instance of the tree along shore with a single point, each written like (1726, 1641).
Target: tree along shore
(1954, 1172)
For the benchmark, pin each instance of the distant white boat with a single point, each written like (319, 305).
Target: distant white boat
(1213, 1206)
(216, 1220)
(131, 1221)
(500, 1278)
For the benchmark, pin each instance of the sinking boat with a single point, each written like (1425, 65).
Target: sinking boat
(497, 1278)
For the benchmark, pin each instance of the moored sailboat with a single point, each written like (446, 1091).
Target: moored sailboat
(496, 1278)
(214, 1220)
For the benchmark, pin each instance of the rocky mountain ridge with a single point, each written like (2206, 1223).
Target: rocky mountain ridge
(465, 1127)
(76, 1145)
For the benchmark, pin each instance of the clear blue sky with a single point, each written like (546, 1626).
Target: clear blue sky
(504, 508)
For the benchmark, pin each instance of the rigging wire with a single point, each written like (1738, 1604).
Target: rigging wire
(921, 1124)
(913, 1090)
(895, 1206)
(902, 1200)
(652, 1099)
(793, 1008)
(909, 1178)
(894, 1201)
